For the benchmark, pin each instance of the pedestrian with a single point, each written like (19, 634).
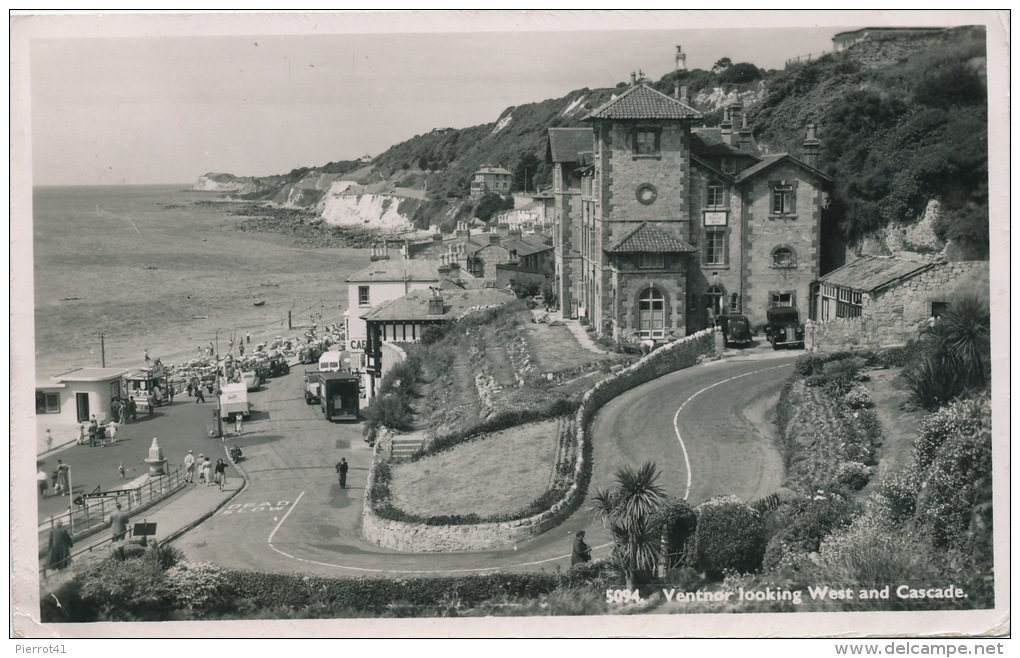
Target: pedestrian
(81, 433)
(201, 468)
(581, 551)
(199, 397)
(170, 391)
(63, 478)
(49, 440)
(238, 423)
(111, 431)
(132, 408)
(341, 469)
(93, 431)
(189, 467)
(247, 337)
(101, 436)
(189, 388)
(221, 473)
(240, 348)
(207, 471)
(43, 481)
(123, 473)
(118, 524)
(59, 548)
(147, 359)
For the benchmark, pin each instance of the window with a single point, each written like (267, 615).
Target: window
(646, 142)
(115, 390)
(784, 257)
(783, 299)
(734, 303)
(692, 302)
(651, 314)
(650, 261)
(782, 200)
(715, 246)
(362, 295)
(716, 194)
(47, 403)
(729, 165)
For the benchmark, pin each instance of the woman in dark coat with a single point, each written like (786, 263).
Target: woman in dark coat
(581, 551)
(60, 547)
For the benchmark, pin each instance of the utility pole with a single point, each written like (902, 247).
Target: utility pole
(102, 348)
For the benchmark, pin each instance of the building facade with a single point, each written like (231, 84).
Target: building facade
(491, 179)
(673, 224)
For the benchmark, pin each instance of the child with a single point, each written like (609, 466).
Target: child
(122, 471)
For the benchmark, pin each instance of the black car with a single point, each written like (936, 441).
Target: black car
(784, 327)
(736, 329)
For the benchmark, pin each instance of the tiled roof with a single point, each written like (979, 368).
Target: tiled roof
(396, 269)
(643, 102)
(525, 247)
(649, 238)
(565, 144)
(770, 160)
(494, 170)
(871, 273)
(415, 305)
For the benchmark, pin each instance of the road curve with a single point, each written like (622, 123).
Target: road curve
(293, 516)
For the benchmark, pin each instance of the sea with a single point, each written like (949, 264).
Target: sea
(121, 270)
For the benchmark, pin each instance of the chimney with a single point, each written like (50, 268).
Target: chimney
(463, 232)
(493, 238)
(515, 233)
(727, 127)
(437, 238)
(681, 59)
(745, 135)
(683, 94)
(811, 146)
(455, 271)
(736, 112)
(676, 90)
(435, 303)
(633, 78)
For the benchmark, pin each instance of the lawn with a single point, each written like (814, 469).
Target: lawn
(555, 349)
(502, 472)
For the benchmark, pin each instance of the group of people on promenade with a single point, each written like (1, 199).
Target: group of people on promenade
(61, 480)
(208, 474)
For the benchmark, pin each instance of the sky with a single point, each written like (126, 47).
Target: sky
(155, 98)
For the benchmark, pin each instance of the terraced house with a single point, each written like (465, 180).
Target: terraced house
(660, 225)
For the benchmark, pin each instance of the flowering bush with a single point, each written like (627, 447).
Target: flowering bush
(858, 397)
(853, 475)
(729, 535)
(959, 418)
(197, 586)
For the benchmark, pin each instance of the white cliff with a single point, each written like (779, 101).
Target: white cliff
(217, 182)
(341, 205)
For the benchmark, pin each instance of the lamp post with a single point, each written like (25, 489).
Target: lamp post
(70, 499)
(216, 389)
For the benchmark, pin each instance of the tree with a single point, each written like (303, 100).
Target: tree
(730, 536)
(525, 171)
(740, 73)
(722, 65)
(628, 510)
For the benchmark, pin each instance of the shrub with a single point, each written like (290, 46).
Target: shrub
(961, 418)
(896, 499)
(809, 364)
(866, 554)
(853, 475)
(858, 397)
(676, 521)
(198, 586)
(933, 381)
(730, 535)
(122, 590)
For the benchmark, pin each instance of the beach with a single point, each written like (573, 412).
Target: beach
(119, 270)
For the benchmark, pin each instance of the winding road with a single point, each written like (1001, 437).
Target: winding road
(704, 427)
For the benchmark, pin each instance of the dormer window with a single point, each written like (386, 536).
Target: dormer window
(729, 165)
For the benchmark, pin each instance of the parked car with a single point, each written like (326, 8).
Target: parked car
(783, 328)
(736, 329)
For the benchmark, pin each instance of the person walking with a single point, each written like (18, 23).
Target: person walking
(221, 473)
(198, 395)
(170, 392)
(93, 431)
(207, 471)
(63, 478)
(132, 408)
(238, 423)
(189, 467)
(111, 431)
(120, 469)
(341, 469)
(59, 548)
(247, 337)
(581, 551)
(201, 467)
(118, 524)
(189, 388)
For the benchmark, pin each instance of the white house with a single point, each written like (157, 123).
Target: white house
(71, 398)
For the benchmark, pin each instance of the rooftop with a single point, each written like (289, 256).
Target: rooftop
(90, 375)
(872, 273)
(566, 144)
(648, 238)
(643, 102)
(775, 158)
(396, 270)
(415, 305)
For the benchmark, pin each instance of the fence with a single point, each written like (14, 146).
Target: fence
(807, 58)
(92, 515)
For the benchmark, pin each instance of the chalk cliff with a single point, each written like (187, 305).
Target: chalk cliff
(341, 205)
(219, 182)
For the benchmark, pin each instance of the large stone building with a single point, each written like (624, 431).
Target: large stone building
(659, 225)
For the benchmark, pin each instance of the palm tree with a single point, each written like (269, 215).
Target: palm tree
(628, 509)
(963, 332)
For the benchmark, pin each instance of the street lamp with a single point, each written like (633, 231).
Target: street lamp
(70, 498)
(216, 390)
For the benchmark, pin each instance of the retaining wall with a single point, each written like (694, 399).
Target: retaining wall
(421, 538)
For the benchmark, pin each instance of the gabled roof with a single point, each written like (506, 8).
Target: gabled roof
(643, 102)
(776, 158)
(649, 238)
(415, 305)
(701, 164)
(872, 273)
(494, 170)
(525, 247)
(565, 144)
(398, 269)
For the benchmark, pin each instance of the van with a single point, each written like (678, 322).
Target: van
(331, 362)
(234, 401)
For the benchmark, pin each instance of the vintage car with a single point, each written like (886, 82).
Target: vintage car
(736, 329)
(783, 327)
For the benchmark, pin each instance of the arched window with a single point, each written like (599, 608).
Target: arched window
(784, 257)
(651, 314)
(716, 194)
(715, 299)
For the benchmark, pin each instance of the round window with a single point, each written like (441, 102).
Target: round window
(646, 193)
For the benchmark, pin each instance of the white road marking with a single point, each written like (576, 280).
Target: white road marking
(676, 417)
(270, 540)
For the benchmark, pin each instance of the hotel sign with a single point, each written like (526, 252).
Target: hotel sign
(715, 219)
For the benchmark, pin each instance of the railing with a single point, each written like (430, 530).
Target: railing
(807, 58)
(94, 512)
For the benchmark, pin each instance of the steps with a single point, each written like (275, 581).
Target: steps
(405, 446)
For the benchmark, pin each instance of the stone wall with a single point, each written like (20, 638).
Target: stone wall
(894, 316)
(421, 538)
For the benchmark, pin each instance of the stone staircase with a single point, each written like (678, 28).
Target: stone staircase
(405, 446)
